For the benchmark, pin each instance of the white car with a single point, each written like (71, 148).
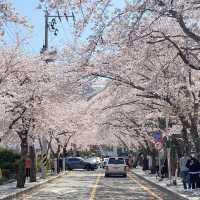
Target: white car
(116, 166)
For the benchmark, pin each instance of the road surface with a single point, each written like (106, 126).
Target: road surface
(84, 185)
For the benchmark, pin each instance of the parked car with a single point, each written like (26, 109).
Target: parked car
(93, 161)
(79, 163)
(116, 166)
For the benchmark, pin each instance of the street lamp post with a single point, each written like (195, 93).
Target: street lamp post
(63, 162)
(168, 151)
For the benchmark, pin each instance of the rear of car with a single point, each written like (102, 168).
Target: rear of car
(116, 166)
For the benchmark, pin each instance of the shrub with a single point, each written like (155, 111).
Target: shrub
(8, 159)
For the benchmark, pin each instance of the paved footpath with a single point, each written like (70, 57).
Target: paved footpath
(83, 185)
(8, 191)
(178, 189)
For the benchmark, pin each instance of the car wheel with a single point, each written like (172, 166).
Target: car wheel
(107, 175)
(68, 168)
(87, 167)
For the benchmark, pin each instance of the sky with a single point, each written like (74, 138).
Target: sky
(35, 38)
(35, 18)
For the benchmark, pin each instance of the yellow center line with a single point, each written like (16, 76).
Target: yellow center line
(153, 194)
(71, 173)
(94, 189)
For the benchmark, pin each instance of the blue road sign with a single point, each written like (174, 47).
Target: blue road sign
(157, 136)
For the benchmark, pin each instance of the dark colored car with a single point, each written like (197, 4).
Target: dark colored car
(93, 161)
(125, 156)
(79, 163)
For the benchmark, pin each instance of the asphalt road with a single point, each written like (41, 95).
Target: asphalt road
(83, 185)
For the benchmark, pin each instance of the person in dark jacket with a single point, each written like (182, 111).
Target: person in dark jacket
(194, 168)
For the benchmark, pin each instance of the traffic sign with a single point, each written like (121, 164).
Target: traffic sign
(157, 136)
(44, 159)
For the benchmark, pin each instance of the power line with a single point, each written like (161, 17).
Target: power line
(51, 26)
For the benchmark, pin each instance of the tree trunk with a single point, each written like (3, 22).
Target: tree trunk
(137, 158)
(64, 152)
(194, 128)
(21, 172)
(33, 166)
(186, 144)
(174, 159)
(145, 161)
(153, 168)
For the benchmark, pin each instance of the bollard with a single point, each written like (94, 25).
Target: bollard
(63, 162)
(43, 171)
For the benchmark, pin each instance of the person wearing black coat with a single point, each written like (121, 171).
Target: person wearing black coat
(194, 169)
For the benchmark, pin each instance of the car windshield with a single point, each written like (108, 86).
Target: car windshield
(116, 161)
(93, 160)
(75, 159)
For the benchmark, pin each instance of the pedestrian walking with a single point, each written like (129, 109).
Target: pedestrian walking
(184, 171)
(194, 168)
(28, 164)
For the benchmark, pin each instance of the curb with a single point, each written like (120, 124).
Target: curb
(16, 195)
(164, 189)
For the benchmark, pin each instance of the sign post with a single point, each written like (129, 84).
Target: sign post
(158, 140)
(55, 166)
(44, 162)
(63, 163)
(168, 152)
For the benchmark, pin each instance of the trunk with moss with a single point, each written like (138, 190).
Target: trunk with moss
(194, 128)
(21, 172)
(153, 155)
(33, 166)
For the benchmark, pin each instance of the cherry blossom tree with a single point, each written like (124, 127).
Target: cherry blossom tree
(8, 14)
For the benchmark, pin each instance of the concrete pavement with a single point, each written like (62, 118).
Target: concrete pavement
(84, 185)
(9, 191)
(164, 185)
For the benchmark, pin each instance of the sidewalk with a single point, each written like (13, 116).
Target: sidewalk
(177, 190)
(9, 191)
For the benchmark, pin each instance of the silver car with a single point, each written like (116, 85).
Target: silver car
(116, 166)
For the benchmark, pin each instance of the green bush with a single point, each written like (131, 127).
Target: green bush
(5, 173)
(8, 159)
(3, 180)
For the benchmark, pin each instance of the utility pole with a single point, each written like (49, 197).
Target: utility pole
(168, 151)
(46, 31)
(51, 26)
